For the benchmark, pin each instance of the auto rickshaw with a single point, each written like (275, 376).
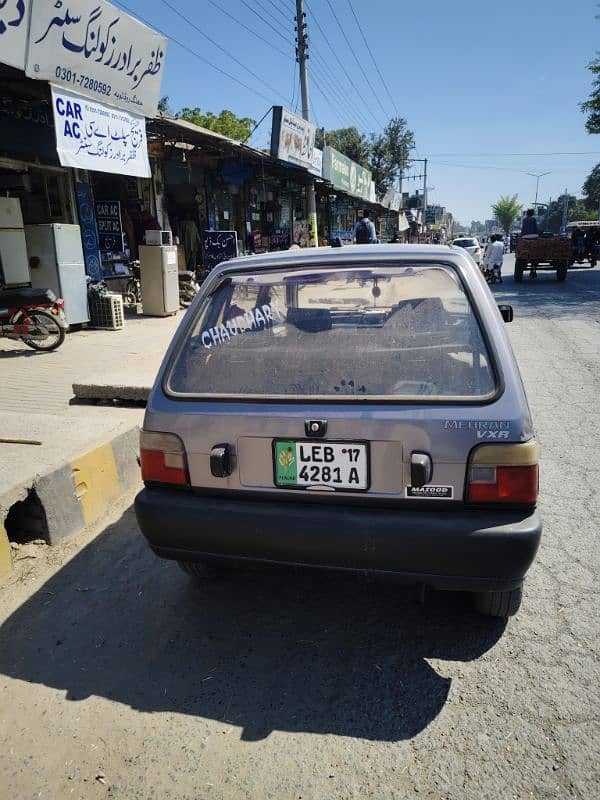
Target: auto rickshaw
(585, 241)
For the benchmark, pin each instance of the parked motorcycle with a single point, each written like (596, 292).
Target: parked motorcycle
(188, 287)
(33, 316)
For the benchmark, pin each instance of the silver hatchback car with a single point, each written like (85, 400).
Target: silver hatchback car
(355, 408)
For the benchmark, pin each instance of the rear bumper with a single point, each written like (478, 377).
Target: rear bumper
(467, 550)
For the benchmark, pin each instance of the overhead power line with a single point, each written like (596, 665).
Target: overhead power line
(250, 30)
(351, 83)
(277, 8)
(360, 66)
(194, 53)
(486, 167)
(266, 22)
(502, 155)
(364, 38)
(220, 47)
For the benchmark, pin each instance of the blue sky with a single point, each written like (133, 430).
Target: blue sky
(475, 80)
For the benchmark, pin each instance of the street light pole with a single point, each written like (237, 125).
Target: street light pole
(301, 58)
(537, 177)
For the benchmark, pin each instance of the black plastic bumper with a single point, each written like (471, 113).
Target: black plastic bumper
(460, 549)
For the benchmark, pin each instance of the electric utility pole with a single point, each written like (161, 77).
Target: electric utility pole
(302, 58)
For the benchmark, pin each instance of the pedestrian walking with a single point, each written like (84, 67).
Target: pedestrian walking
(364, 230)
(496, 256)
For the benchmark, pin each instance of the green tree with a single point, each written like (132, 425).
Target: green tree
(390, 152)
(553, 218)
(591, 107)
(348, 141)
(226, 123)
(385, 154)
(164, 107)
(591, 189)
(506, 210)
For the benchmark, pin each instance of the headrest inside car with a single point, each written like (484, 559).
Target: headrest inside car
(310, 320)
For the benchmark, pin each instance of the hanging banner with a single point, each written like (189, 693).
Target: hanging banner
(346, 174)
(90, 135)
(316, 162)
(89, 233)
(14, 22)
(392, 200)
(97, 50)
(292, 138)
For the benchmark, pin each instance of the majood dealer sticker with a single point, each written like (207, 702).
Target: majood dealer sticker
(430, 492)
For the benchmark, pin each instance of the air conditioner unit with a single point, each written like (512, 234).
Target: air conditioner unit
(159, 237)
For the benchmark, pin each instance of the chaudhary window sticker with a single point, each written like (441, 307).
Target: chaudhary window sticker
(255, 319)
(430, 492)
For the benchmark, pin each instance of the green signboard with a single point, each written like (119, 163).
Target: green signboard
(346, 175)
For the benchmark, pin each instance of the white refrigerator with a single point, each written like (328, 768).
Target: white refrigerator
(59, 266)
(160, 280)
(14, 266)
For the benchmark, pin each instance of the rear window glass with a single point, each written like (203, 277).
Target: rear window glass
(391, 332)
(465, 242)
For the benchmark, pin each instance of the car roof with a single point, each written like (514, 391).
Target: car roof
(306, 256)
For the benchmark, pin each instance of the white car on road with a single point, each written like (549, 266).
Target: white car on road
(472, 246)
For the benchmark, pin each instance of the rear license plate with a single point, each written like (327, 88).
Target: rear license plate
(337, 465)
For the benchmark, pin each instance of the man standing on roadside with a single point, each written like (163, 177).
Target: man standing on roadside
(364, 230)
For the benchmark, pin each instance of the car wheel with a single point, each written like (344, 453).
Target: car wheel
(561, 271)
(518, 273)
(201, 569)
(499, 604)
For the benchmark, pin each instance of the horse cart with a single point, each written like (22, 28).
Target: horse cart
(543, 253)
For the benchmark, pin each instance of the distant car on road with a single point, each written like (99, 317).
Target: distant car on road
(354, 408)
(471, 245)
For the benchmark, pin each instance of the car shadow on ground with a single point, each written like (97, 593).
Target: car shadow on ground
(265, 651)
(22, 353)
(578, 296)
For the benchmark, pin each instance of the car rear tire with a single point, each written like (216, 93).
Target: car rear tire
(561, 272)
(200, 569)
(499, 604)
(518, 273)
(209, 570)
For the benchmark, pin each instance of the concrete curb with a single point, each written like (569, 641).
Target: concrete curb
(77, 494)
(5, 556)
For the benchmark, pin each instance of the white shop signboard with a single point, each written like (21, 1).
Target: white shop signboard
(293, 139)
(91, 135)
(92, 48)
(14, 22)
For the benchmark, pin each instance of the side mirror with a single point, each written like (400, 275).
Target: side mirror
(506, 313)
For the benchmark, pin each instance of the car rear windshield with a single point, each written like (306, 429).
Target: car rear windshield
(465, 242)
(389, 332)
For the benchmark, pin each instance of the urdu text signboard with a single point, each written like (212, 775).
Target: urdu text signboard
(96, 50)
(14, 22)
(292, 138)
(218, 246)
(345, 174)
(90, 135)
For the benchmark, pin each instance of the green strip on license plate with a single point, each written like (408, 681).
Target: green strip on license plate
(286, 463)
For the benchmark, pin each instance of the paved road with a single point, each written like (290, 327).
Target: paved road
(119, 678)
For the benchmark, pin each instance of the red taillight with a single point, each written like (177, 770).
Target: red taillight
(504, 485)
(162, 459)
(60, 303)
(504, 473)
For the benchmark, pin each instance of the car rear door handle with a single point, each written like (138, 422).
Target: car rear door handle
(421, 469)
